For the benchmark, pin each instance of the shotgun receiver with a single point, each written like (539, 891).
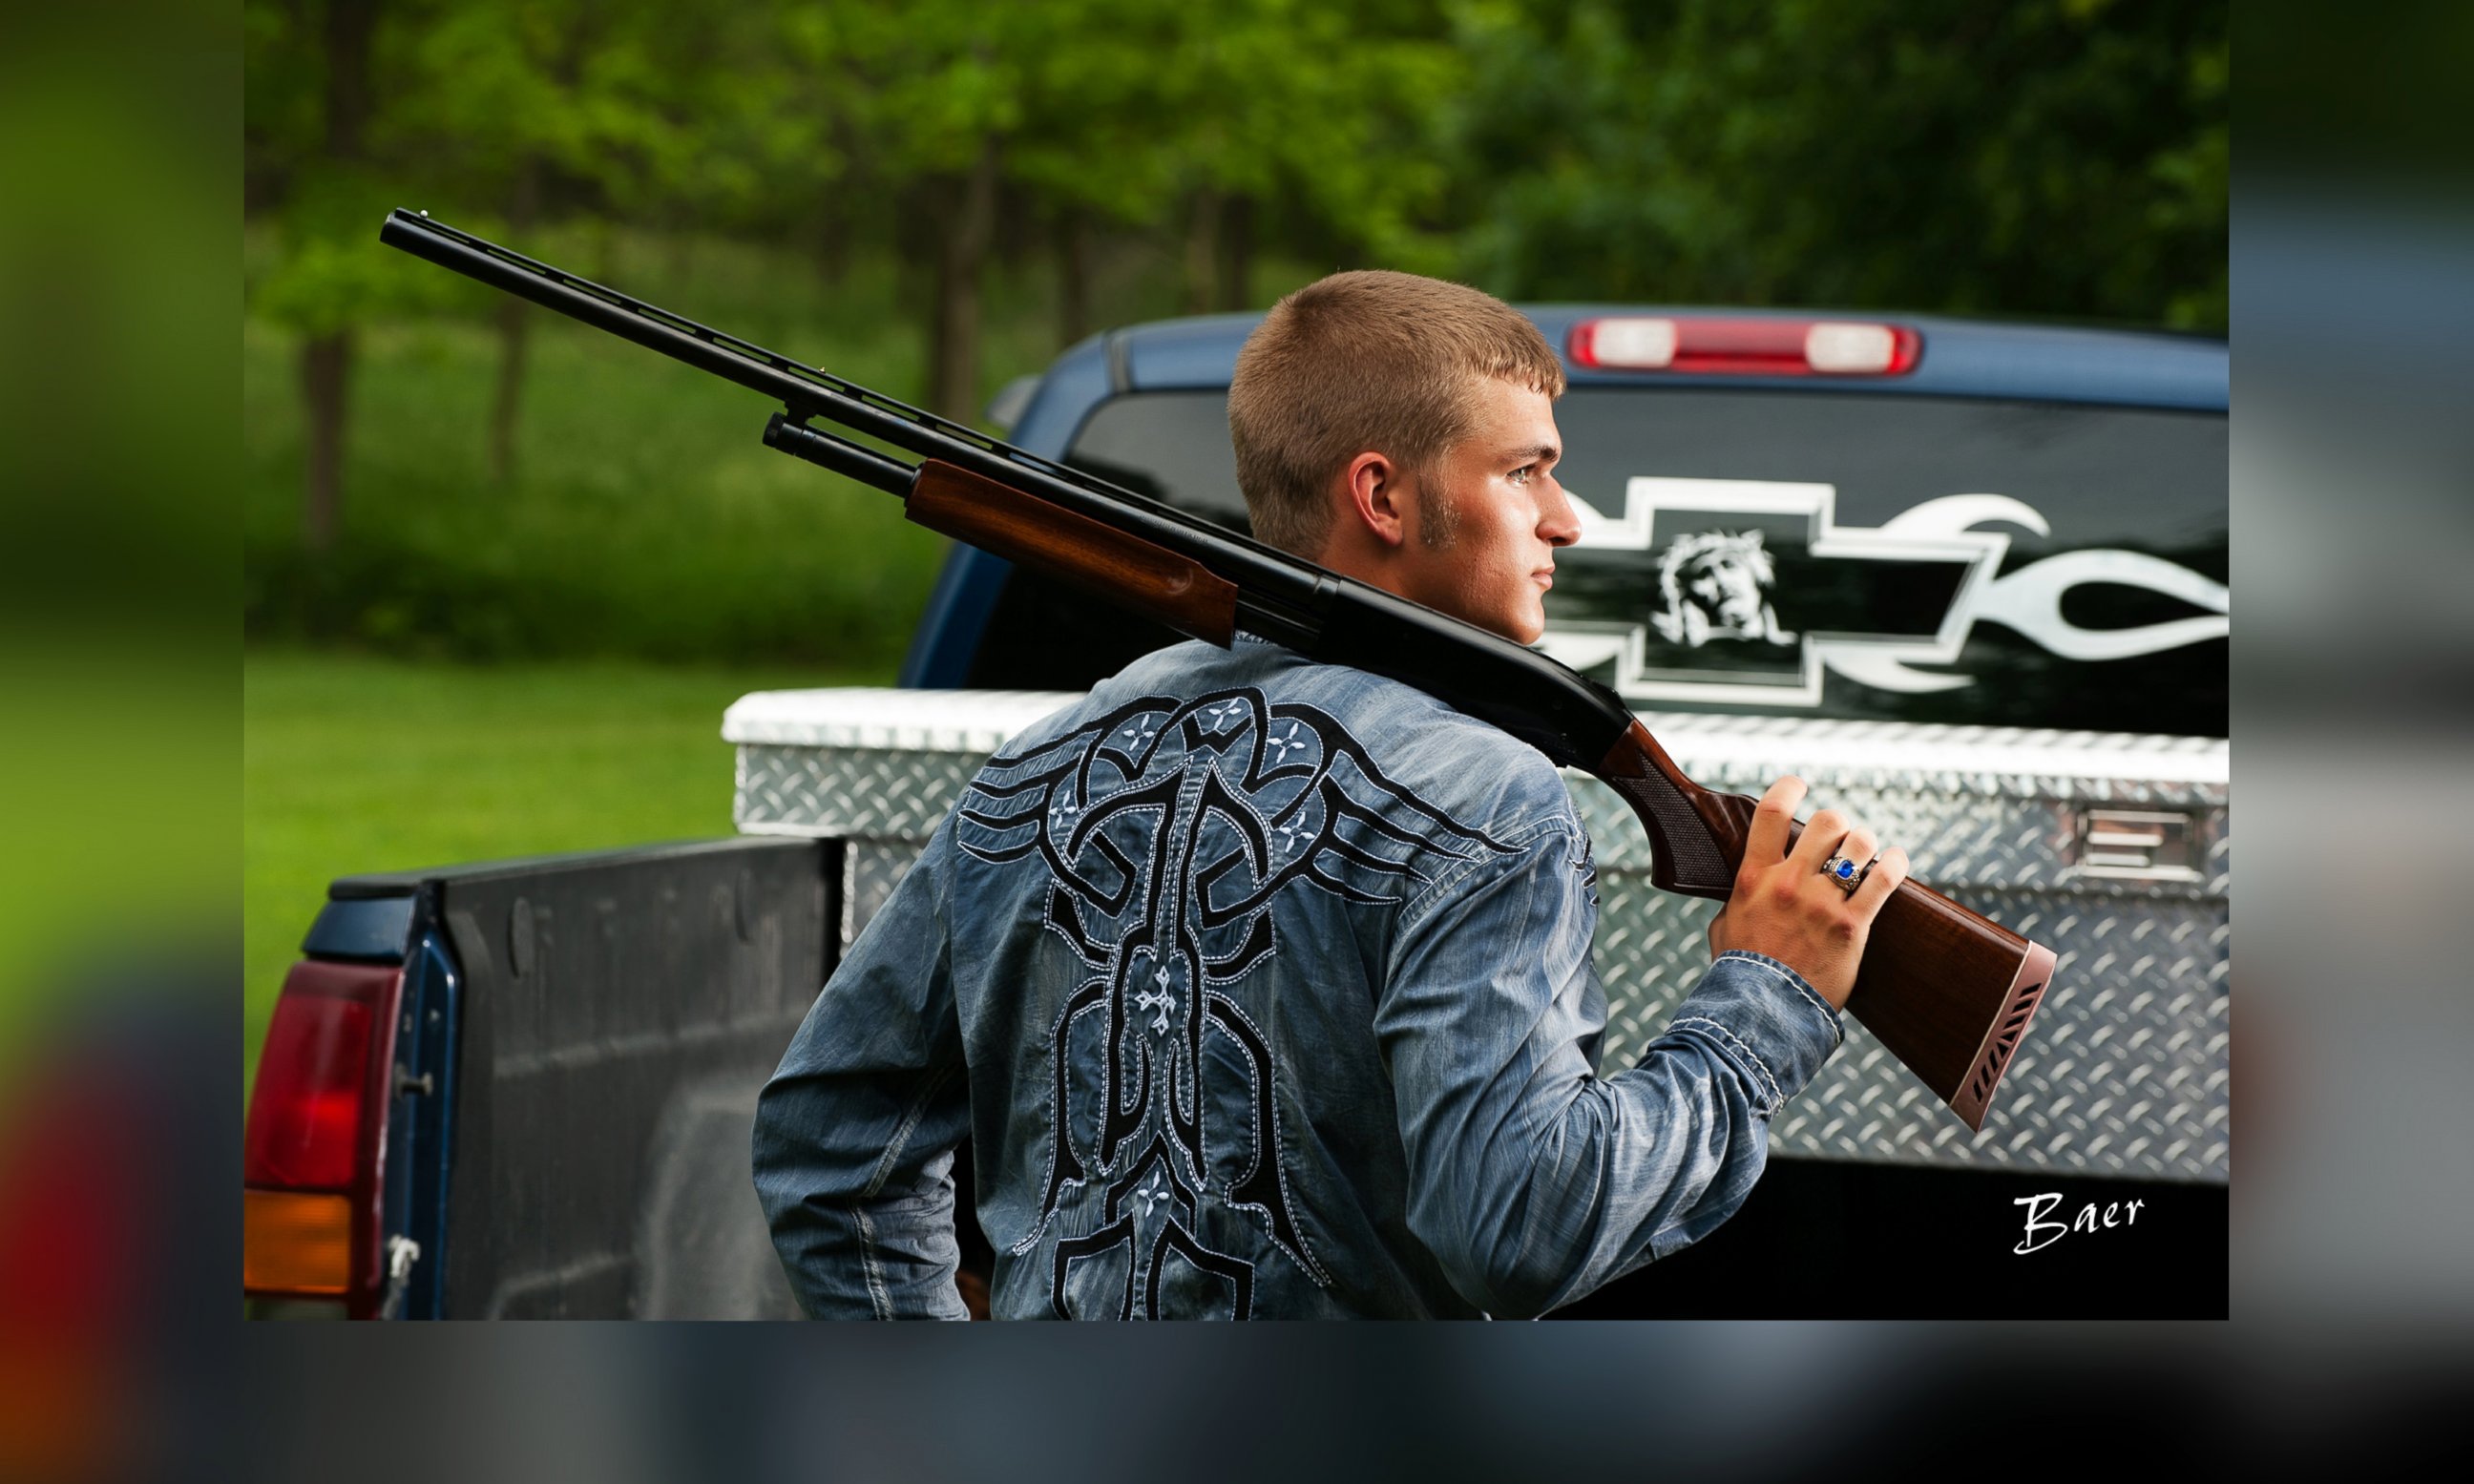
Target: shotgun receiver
(1945, 990)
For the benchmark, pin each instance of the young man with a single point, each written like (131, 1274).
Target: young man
(1263, 987)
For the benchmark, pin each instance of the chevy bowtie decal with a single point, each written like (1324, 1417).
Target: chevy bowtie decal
(1753, 590)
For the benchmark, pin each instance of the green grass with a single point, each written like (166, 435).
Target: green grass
(644, 517)
(356, 764)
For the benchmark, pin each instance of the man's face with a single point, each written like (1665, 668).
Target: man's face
(1490, 516)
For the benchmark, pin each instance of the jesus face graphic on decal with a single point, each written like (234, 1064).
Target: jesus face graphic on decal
(1715, 585)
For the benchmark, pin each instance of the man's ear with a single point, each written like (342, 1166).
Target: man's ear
(1379, 496)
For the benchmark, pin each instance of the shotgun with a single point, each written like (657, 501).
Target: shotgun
(1945, 990)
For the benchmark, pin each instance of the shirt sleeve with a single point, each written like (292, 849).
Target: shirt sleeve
(1533, 1179)
(855, 1131)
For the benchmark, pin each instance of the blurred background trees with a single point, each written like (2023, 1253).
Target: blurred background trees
(933, 197)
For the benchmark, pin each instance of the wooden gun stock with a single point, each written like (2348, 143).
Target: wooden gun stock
(1945, 990)
(1124, 570)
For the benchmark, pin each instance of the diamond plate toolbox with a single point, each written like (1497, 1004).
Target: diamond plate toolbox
(2112, 850)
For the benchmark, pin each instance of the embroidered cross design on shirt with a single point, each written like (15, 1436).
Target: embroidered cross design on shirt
(1279, 748)
(1164, 1001)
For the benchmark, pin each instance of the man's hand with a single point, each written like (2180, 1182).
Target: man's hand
(1785, 909)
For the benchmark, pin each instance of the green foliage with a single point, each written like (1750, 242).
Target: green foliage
(568, 81)
(647, 519)
(333, 273)
(2047, 158)
(1321, 107)
(783, 167)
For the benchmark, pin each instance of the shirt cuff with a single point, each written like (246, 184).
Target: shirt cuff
(1763, 1015)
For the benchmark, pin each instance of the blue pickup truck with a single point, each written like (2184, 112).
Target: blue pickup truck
(1968, 578)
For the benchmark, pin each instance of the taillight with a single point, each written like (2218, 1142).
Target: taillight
(316, 1136)
(1775, 348)
(299, 1242)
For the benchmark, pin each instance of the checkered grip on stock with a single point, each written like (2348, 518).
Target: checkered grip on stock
(1693, 857)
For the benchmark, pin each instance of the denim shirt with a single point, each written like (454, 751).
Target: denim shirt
(1262, 989)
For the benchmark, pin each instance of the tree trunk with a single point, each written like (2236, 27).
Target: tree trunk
(506, 406)
(514, 320)
(833, 247)
(1236, 253)
(1013, 241)
(1073, 277)
(682, 246)
(840, 230)
(1201, 248)
(954, 337)
(327, 358)
(350, 26)
(325, 378)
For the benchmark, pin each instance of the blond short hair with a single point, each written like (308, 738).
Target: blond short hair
(1360, 361)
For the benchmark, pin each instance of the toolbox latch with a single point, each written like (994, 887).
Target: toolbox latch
(2132, 845)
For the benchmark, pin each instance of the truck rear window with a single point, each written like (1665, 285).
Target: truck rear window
(1811, 553)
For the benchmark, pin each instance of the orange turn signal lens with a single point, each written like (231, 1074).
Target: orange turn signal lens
(296, 1242)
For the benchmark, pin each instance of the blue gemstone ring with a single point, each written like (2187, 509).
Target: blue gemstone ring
(1846, 874)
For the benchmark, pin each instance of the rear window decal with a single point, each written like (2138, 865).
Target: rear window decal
(1748, 592)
